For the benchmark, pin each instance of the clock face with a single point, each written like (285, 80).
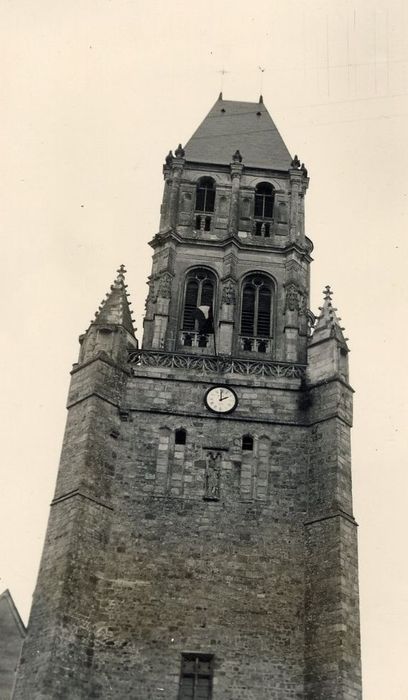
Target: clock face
(221, 399)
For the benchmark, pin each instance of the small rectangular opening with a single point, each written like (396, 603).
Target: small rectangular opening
(196, 677)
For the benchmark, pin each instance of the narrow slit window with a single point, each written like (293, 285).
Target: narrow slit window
(248, 443)
(180, 436)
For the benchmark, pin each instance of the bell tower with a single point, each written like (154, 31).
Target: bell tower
(231, 261)
(201, 543)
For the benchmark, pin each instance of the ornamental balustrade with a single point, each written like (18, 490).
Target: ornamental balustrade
(262, 228)
(255, 344)
(203, 222)
(216, 365)
(194, 339)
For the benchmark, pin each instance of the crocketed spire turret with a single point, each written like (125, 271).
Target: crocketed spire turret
(328, 323)
(115, 309)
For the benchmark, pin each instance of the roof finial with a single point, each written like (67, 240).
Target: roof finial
(120, 279)
(179, 152)
(260, 100)
(327, 293)
(237, 158)
(222, 72)
(262, 70)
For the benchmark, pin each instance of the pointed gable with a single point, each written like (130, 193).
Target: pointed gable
(243, 126)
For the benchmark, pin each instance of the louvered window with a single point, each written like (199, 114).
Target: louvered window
(256, 307)
(196, 677)
(264, 196)
(205, 195)
(198, 302)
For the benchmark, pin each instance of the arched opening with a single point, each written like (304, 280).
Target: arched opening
(256, 314)
(263, 213)
(205, 202)
(197, 319)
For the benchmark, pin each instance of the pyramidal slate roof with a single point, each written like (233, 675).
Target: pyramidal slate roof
(243, 126)
(115, 308)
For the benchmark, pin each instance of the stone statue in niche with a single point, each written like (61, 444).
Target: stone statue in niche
(303, 319)
(151, 296)
(212, 476)
(302, 304)
(228, 293)
(165, 286)
(292, 298)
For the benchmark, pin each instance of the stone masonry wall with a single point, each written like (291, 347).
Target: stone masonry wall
(188, 574)
(142, 563)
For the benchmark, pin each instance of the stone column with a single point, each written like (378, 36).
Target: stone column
(236, 172)
(298, 186)
(177, 171)
(291, 329)
(226, 325)
(161, 316)
(164, 209)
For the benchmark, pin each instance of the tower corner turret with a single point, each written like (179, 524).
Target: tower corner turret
(111, 333)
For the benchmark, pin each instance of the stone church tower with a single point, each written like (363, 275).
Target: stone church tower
(201, 542)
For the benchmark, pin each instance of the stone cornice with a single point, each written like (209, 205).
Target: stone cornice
(224, 168)
(171, 234)
(338, 513)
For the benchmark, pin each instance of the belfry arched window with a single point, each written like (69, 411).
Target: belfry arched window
(204, 204)
(197, 321)
(256, 313)
(264, 200)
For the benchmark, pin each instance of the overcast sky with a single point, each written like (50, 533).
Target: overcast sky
(94, 93)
